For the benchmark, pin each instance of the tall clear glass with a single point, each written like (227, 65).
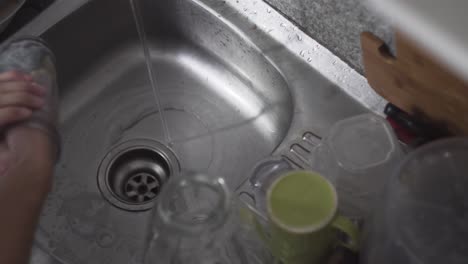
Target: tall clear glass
(195, 221)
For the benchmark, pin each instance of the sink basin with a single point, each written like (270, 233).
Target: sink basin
(228, 83)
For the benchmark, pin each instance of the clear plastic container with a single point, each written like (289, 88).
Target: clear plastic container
(252, 194)
(358, 156)
(253, 191)
(423, 215)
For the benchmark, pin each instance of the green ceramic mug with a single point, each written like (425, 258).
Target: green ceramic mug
(304, 224)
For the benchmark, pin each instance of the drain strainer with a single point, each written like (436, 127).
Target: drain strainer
(142, 187)
(132, 174)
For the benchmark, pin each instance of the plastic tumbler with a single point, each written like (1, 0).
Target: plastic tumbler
(423, 215)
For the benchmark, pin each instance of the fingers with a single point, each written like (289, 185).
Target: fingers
(10, 115)
(21, 86)
(17, 89)
(14, 76)
(19, 96)
(21, 99)
(15, 81)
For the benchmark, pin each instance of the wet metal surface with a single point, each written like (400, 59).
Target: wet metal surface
(237, 82)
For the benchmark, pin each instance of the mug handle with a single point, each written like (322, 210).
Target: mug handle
(345, 225)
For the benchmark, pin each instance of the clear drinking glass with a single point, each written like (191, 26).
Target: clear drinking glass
(253, 191)
(31, 55)
(423, 215)
(196, 221)
(357, 156)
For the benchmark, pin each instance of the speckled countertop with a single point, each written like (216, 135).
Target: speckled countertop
(336, 24)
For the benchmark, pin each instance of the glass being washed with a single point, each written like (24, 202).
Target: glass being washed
(423, 215)
(31, 55)
(195, 221)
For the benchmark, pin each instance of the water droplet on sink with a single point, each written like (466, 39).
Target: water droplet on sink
(299, 37)
(334, 62)
(245, 9)
(302, 53)
(357, 93)
(268, 10)
(309, 59)
(105, 240)
(282, 25)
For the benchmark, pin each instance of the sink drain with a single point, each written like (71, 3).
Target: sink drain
(142, 187)
(132, 174)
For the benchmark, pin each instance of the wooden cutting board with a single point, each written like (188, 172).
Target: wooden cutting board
(416, 83)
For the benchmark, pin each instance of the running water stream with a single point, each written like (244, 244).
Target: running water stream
(137, 16)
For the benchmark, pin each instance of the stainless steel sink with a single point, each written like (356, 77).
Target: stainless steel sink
(235, 81)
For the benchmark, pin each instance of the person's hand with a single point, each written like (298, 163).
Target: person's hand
(19, 97)
(26, 165)
(24, 151)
